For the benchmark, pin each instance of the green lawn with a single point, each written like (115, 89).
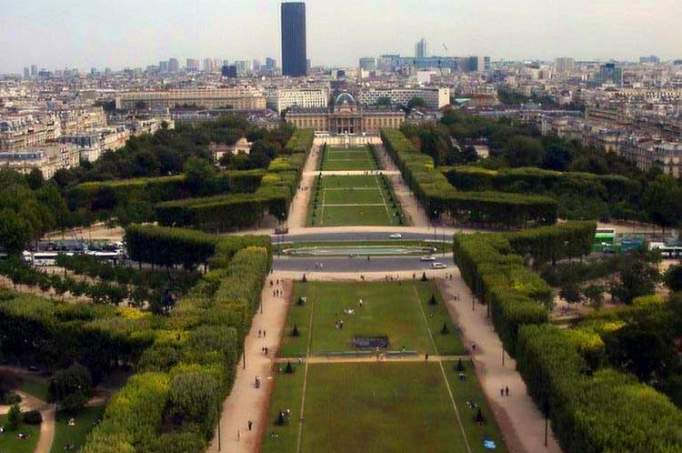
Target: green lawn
(75, 435)
(34, 386)
(352, 159)
(9, 443)
(440, 246)
(371, 407)
(353, 200)
(399, 310)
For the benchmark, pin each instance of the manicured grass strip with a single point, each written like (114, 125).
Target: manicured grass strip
(64, 435)
(348, 159)
(10, 443)
(389, 308)
(466, 391)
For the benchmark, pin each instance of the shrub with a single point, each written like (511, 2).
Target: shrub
(71, 388)
(32, 417)
(13, 418)
(194, 399)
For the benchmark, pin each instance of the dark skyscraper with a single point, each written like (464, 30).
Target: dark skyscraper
(294, 56)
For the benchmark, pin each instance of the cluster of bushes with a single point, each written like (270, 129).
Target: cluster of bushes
(438, 196)
(300, 142)
(185, 361)
(592, 409)
(100, 293)
(579, 194)
(91, 266)
(494, 268)
(233, 211)
(190, 365)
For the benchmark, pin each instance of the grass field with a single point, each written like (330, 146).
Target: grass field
(75, 435)
(353, 200)
(440, 247)
(351, 159)
(400, 310)
(9, 443)
(378, 407)
(34, 386)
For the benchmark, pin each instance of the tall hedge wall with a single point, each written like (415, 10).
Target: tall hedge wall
(438, 196)
(105, 195)
(536, 180)
(592, 410)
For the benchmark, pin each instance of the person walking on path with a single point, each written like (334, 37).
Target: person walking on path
(250, 424)
(506, 391)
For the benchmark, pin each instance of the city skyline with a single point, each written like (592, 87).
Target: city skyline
(98, 36)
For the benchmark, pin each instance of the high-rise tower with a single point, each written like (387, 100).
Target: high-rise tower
(294, 54)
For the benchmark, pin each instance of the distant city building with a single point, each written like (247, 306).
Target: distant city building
(283, 99)
(564, 65)
(192, 64)
(230, 71)
(27, 73)
(34, 70)
(270, 64)
(255, 65)
(610, 73)
(173, 65)
(434, 98)
(294, 52)
(346, 117)
(163, 66)
(208, 65)
(92, 145)
(47, 158)
(239, 98)
(368, 64)
(421, 49)
(653, 59)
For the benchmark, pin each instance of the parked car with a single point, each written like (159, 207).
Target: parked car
(396, 236)
(427, 258)
(438, 266)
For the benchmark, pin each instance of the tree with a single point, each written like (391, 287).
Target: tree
(571, 294)
(637, 278)
(663, 201)
(35, 179)
(13, 417)
(199, 173)
(71, 388)
(15, 232)
(595, 294)
(416, 102)
(384, 101)
(194, 399)
(557, 158)
(524, 151)
(673, 278)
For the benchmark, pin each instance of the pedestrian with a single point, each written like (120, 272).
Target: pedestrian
(238, 435)
(263, 333)
(266, 350)
(426, 357)
(250, 424)
(259, 333)
(506, 391)
(502, 391)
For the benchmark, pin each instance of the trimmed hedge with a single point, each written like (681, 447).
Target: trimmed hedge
(592, 410)
(438, 196)
(535, 180)
(607, 411)
(106, 195)
(301, 141)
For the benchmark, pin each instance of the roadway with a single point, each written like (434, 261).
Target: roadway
(358, 264)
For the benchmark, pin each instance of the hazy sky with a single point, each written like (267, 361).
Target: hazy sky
(118, 33)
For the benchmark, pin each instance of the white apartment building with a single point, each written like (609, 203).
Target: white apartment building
(306, 98)
(23, 131)
(46, 158)
(237, 98)
(93, 144)
(435, 98)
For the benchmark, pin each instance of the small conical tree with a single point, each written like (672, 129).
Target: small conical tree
(304, 279)
(433, 300)
(301, 301)
(460, 366)
(289, 369)
(479, 416)
(280, 421)
(424, 279)
(13, 417)
(295, 332)
(444, 330)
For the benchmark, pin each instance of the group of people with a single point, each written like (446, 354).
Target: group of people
(276, 291)
(339, 324)
(504, 391)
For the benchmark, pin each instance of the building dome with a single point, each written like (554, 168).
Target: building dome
(344, 98)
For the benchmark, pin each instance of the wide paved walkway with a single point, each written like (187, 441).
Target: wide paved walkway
(246, 402)
(522, 424)
(298, 211)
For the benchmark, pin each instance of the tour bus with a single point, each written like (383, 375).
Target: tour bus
(666, 251)
(40, 259)
(603, 239)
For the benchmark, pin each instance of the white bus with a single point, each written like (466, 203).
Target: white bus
(40, 259)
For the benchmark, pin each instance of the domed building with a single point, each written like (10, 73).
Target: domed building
(346, 116)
